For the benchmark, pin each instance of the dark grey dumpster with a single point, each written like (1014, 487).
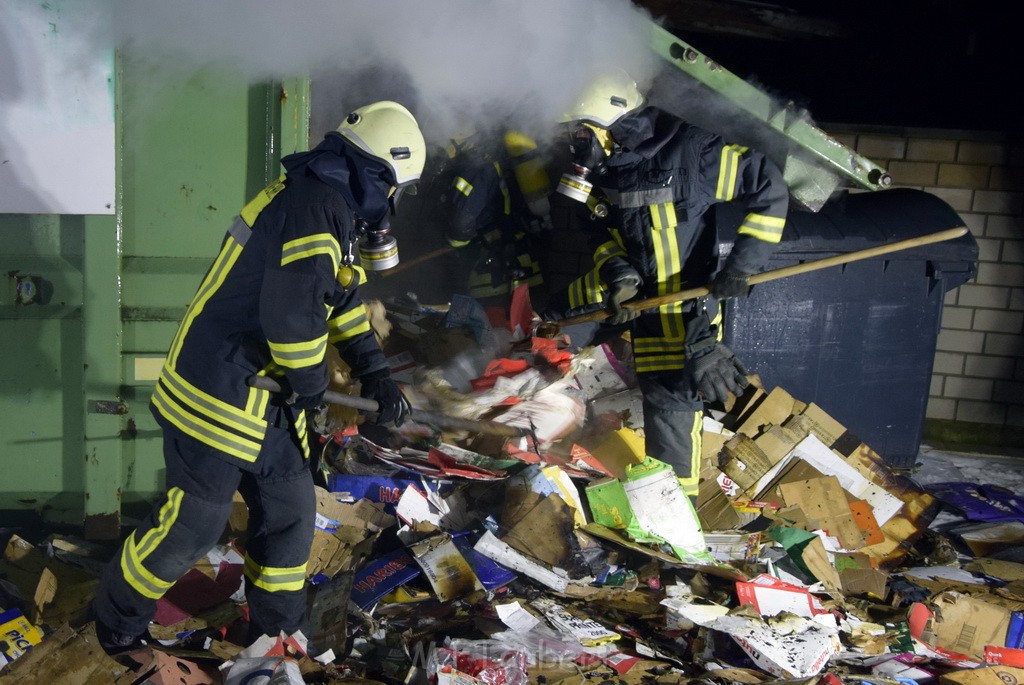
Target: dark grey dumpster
(858, 340)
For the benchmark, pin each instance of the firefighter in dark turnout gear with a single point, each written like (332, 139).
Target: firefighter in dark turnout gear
(282, 288)
(658, 176)
(498, 207)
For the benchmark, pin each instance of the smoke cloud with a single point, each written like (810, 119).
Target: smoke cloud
(455, 63)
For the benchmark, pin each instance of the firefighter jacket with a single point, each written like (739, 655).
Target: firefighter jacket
(490, 216)
(276, 295)
(661, 179)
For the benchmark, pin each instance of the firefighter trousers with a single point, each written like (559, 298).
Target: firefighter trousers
(190, 519)
(673, 418)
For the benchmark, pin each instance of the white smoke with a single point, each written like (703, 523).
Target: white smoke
(453, 62)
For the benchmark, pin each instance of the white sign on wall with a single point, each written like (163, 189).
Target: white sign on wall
(56, 107)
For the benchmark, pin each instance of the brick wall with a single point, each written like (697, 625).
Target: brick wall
(979, 362)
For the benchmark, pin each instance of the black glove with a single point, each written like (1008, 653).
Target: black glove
(729, 283)
(620, 292)
(307, 401)
(718, 373)
(381, 387)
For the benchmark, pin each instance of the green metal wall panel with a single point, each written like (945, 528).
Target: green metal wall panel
(77, 441)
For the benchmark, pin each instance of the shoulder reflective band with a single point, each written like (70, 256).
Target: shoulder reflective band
(262, 199)
(728, 172)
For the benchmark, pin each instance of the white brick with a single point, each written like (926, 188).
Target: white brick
(960, 388)
(1001, 226)
(983, 296)
(1013, 251)
(951, 297)
(959, 199)
(935, 389)
(989, 367)
(1006, 178)
(997, 202)
(949, 363)
(980, 412)
(976, 152)
(917, 174)
(881, 147)
(989, 249)
(960, 341)
(974, 222)
(1010, 275)
(957, 317)
(940, 409)
(963, 175)
(1017, 299)
(998, 321)
(931, 150)
(1003, 344)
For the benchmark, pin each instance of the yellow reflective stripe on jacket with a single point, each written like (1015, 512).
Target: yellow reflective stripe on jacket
(204, 404)
(299, 355)
(663, 215)
(458, 243)
(256, 402)
(262, 199)
(133, 556)
(690, 481)
(669, 264)
(214, 279)
(716, 323)
(587, 289)
(348, 325)
(481, 284)
(300, 433)
(657, 345)
(463, 186)
(660, 362)
(652, 354)
(606, 251)
(273, 579)
(728, 172)
(202, 430)
(310, 246)
(766, 228)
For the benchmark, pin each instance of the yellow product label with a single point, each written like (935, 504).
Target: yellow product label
(17, 635)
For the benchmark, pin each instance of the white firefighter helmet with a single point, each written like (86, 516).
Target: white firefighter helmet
(388, 131)
(605, 99)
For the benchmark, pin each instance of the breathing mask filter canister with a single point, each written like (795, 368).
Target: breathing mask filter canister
(587, 155)
(378, 249)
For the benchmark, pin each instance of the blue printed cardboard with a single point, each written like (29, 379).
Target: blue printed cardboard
(386, 490)
(381, 576)
(492, 575)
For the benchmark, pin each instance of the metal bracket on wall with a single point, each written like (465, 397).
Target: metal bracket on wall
(108, 407)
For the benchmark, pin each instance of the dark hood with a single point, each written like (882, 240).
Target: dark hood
(362, 181)
(642, 134)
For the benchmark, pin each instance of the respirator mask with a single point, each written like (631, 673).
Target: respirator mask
(589, 147)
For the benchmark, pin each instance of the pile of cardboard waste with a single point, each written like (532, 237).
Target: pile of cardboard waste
(569, 556)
